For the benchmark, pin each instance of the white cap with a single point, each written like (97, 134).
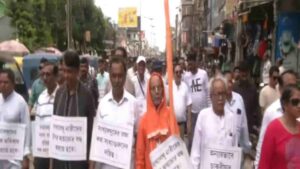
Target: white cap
(141, 59)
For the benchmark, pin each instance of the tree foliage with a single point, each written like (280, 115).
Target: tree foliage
(42, 23)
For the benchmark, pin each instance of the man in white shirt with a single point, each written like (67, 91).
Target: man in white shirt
(140, 81)
(266, 68)
(14, 109)
(45, 103)
(216, 126)
(131, 72)
(235, 103)
(122, 53)
(102, 79)
(182, 102)
(197, 82)
(274, 111)
(118, 106)
(270, 93)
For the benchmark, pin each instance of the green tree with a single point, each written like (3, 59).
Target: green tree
(42, 23)
(87, 17)
(22, 19)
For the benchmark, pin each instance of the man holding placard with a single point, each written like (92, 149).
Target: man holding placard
(216, 127)
(71, 125)
(157, 125)
(117, 115)
(14, 125)
(44, 112)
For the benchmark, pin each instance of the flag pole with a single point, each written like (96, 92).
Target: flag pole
(169, 54)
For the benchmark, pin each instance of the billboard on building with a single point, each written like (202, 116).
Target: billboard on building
(128, 18)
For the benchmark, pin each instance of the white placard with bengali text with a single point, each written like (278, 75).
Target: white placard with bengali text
(112, 144)
(171, 154)
(68, 138)
(215, 157)
(40, 139)
(12, 138)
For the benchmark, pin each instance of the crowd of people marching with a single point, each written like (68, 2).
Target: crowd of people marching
(226, 109)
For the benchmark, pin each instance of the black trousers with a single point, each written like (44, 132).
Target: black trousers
(41, 163)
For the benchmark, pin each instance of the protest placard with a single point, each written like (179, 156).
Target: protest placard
(216, 157)
(171, 154)
(40, 139)
(12, 138)
(112, 144)
(68, 138)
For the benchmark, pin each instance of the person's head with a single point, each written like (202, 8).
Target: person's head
(218, 93)
(290, 101)
(49, 75)
(273, 76)
(117, 74)
(101, 65)
(157, 67)
(279, 62)
(156, 89)
(60, 79)
(244, 71)
(71, 65)
(236, 73)
(141, 65)
(43, 62)
(192, 66)
(182, 63)
(288, 77)
(7, 82)
(229, 79)
(121, 52)
(177, 73)
(84, 67)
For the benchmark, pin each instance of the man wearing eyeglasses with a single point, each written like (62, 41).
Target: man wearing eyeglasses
(270, 93)
(216, 125)
(182, 102)
(38, 86)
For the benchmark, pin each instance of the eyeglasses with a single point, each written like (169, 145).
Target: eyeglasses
(178, 72)
(219, 95)
(295, 102)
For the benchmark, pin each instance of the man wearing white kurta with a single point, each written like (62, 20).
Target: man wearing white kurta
(140, 82)
(13, 109)
(45, 103)
(274, 110)
(118, 106)
(215, 125)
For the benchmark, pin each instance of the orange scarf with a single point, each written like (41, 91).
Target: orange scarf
(160, 121)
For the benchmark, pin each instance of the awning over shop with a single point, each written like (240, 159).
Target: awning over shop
(246, 4)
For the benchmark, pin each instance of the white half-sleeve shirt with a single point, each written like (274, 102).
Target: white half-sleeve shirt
(125, 112)
(198, 88)
(182, 99)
